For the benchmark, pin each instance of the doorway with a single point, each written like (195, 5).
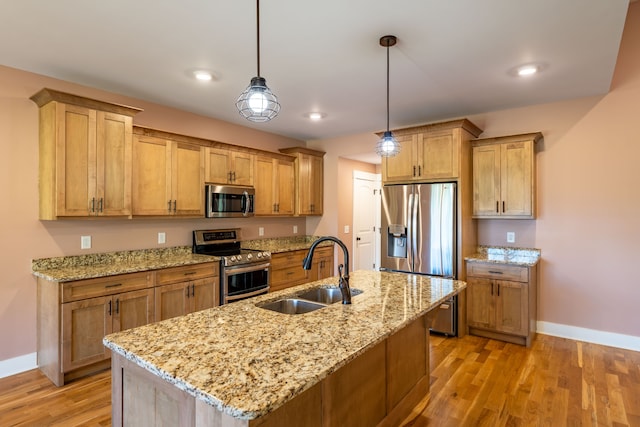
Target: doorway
(366, 220)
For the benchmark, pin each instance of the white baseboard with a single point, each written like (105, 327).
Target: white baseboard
(610, 339)
(18, 364)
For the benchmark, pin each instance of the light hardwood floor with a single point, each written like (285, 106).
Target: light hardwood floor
(474, 382)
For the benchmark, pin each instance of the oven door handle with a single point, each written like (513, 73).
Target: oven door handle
(230, 271)
(260, 291)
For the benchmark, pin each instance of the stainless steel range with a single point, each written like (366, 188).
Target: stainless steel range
(243, 273)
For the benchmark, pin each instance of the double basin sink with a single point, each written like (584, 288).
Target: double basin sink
(307, 301)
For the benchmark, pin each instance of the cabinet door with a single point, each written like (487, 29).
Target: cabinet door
(401, 167)
(511, 307)
(204, 293)
(171, 300)
(480, 302)
(113, 164)
(132, 309)
(75, 160)
(84, 324)
(516, 186)
(439, 153)
(486, 180)
(187, 179)
(151, 176)
(218, 162)
(242, 168)
(265, 198)
(286, 188)
(310, 185)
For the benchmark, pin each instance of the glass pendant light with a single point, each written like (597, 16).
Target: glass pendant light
(388, 146)
(257, 103)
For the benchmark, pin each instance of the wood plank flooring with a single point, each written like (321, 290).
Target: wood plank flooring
(474, 382)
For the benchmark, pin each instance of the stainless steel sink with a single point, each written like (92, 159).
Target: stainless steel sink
(326, 295)
(291, 306)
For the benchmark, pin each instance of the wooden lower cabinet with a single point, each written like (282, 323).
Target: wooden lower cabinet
(378, 388)
(502, 301)
(74, 316)
(287, 271)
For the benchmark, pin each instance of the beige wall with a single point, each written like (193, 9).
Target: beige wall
(588, 198)
(24, 237)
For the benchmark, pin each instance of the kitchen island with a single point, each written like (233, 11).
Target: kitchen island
(242, 365)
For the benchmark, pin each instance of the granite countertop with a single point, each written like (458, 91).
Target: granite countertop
(282, 244)
(506, 255)
(63, 269)
(247, 361)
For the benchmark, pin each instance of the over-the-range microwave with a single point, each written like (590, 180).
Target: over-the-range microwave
(224, 201)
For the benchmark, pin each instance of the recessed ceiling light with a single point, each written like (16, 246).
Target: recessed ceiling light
(315, 116)
(526, 70)
(202, 75)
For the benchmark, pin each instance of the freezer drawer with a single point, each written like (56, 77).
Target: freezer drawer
(445, 320)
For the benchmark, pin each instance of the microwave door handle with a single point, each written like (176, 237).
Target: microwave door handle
(247, 204)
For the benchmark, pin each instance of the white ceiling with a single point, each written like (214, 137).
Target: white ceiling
(452, 58)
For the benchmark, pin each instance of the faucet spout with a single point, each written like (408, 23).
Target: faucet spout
(343, 270)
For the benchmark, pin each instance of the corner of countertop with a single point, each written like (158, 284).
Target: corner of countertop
(506, 255)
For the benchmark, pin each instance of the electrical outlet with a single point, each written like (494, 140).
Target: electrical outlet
(346, 229)
(295, 229)
(260, 231)
(85, 242)
(511, 237)
(162, 238)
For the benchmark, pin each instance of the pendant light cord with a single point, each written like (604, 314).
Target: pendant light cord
(258, 33)
(387, 87)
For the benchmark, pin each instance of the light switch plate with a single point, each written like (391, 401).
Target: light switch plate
(85, 242)
(260, 231)
(511, 237)
(162, 238)
(295, 229)
(346, 229)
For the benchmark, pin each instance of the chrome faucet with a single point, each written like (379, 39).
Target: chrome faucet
(343, 283)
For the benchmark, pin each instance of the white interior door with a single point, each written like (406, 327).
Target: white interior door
(366, 221)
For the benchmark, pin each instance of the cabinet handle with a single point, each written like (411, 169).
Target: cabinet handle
(109, 308)
(503, 210)
(419, 170)
(498, 289)
(118, 306)
(193, 290)
(169, 206)
(100, 204)
(414, 171)
(175, 206)
(115, 285)
(189, 273)
(234, 176)
(497, 206)
(495, 272)
(93, 204)
(188, 293)
(491, 288)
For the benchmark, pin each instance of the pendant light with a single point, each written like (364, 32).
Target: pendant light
(388, 146)
(257, 103)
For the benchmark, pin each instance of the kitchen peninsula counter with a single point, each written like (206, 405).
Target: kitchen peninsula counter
(245, 361)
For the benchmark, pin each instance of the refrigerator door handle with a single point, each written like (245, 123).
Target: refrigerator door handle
(410, 232)
(414, 232)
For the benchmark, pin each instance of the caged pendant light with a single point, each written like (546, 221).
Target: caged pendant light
(257, 103)
(388, 146)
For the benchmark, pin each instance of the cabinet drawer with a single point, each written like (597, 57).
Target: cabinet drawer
(187, 272)
(288, 275)
(498, 271)
(90, 288)
(287, 259)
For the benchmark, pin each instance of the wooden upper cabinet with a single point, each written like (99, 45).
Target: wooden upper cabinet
(504, 176)
(228, 166)
(168, 177)
(429, 153)
(85, 156)
(309, 175)
(274, 185)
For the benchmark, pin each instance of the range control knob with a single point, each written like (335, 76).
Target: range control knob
(259, 254)
(249, 256)
(233, 258)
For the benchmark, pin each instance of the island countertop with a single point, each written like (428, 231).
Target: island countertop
(247, 361)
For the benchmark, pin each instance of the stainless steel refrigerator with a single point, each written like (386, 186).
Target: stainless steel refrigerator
(419, 236)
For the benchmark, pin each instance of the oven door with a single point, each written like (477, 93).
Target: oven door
(243, 281)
